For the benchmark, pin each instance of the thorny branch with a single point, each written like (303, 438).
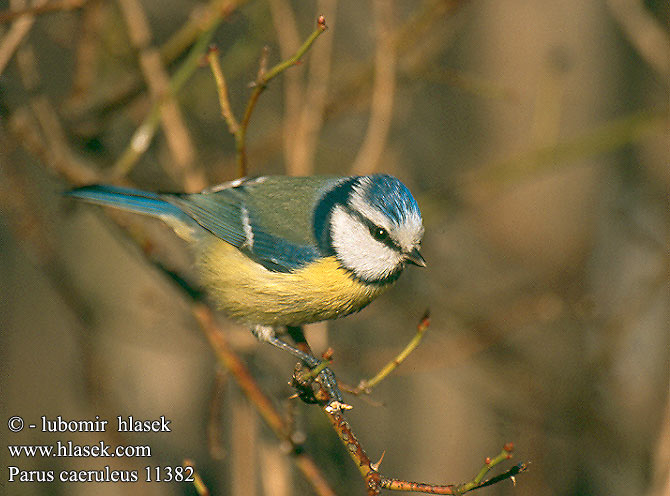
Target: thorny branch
(369, 470)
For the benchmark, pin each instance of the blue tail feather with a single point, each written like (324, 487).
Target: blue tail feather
(134, 200)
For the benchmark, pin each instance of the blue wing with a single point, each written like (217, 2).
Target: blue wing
(268, 219)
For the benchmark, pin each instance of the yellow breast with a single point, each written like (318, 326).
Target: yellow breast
(251, 294)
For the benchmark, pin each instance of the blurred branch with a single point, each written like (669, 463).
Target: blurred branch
(383, 92)
(107, 99)
(351, 88)
(303, 101)
(404, 38)
(162, 93)
(288, 38)
(643, 31)
(87, 51)
(244, 446)
(144, 134)
(40, 129)
(41, 8)
(12, 40)
(216, 449)
(261, 402)
(471, 83)
(661, 457)
(198, 483)
(605, 138)
(310, 120)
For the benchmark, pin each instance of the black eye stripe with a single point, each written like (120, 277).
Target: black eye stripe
(374, 227)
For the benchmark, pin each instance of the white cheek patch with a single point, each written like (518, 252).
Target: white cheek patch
(358, 251)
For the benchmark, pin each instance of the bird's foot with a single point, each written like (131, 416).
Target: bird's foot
(312, 378)
(318, 387)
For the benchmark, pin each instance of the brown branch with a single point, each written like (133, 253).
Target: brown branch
(107, 99)
(158, 81)
(375, 482)
(420, 487)
(222, 91)
(87, 51)
(11, 41)
(44, 8)
(263, 78)
(367, 384)
(303, 381)
(40, 129)
(648, 36)
(365, 466)
(260, 401)
(143, 135)
(216, 450)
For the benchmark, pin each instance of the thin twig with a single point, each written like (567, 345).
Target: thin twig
(263, 78)
(375, 481)
(366, 385)
(222, 90)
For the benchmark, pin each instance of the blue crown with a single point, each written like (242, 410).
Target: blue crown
(389, 195)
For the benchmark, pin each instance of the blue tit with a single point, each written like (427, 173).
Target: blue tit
(285, 251)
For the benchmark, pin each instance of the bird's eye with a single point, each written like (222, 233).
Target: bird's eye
(379, 233)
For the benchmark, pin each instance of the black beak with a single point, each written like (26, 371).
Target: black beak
(414, 257)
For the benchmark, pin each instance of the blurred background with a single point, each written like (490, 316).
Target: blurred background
(536, 139)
